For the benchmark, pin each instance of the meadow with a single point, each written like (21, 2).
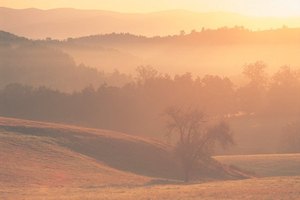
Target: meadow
(251, 189)
(51, 161)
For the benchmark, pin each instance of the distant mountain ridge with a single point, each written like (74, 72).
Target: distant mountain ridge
(63, 23)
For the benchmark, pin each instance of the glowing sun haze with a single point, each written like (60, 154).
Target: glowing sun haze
(277, 8)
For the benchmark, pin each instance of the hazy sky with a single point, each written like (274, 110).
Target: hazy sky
(248, 7)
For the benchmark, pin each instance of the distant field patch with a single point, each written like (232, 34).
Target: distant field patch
(266, 165)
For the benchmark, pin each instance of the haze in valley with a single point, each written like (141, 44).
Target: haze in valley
(111, 99)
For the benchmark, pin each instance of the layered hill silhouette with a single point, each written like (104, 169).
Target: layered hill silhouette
(64, 22)
(56, 154)
(38, 64)
(195, 52)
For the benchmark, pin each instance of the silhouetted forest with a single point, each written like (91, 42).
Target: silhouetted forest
(224, 35)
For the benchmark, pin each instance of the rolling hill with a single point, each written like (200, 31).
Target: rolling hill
(50, 161)
(39, 153)
(31, 161)
(37, 64)
(28, 160)
(44, 153)
(194, 52)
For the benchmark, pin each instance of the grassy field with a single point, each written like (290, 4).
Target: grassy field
(266, 165)
(30, 160)
(284, 188)
(55, 161)
(45, 146)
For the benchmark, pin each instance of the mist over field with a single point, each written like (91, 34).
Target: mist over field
(170, 104)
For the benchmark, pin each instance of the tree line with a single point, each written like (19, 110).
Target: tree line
(138, 106)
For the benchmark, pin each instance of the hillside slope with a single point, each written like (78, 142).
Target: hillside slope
(30, 63)
(46, 153)
(81, 147)
(29, 160)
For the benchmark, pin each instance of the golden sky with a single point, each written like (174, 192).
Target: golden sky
(276, 8)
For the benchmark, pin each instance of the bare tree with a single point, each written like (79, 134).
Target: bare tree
(252, 96)
(145, 73)
(195, 139)
(256, 72)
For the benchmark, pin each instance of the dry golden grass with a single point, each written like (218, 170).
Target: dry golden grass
(31, 160)
(52, 161)
(116, 150)
(119, 151)
(284, 188)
